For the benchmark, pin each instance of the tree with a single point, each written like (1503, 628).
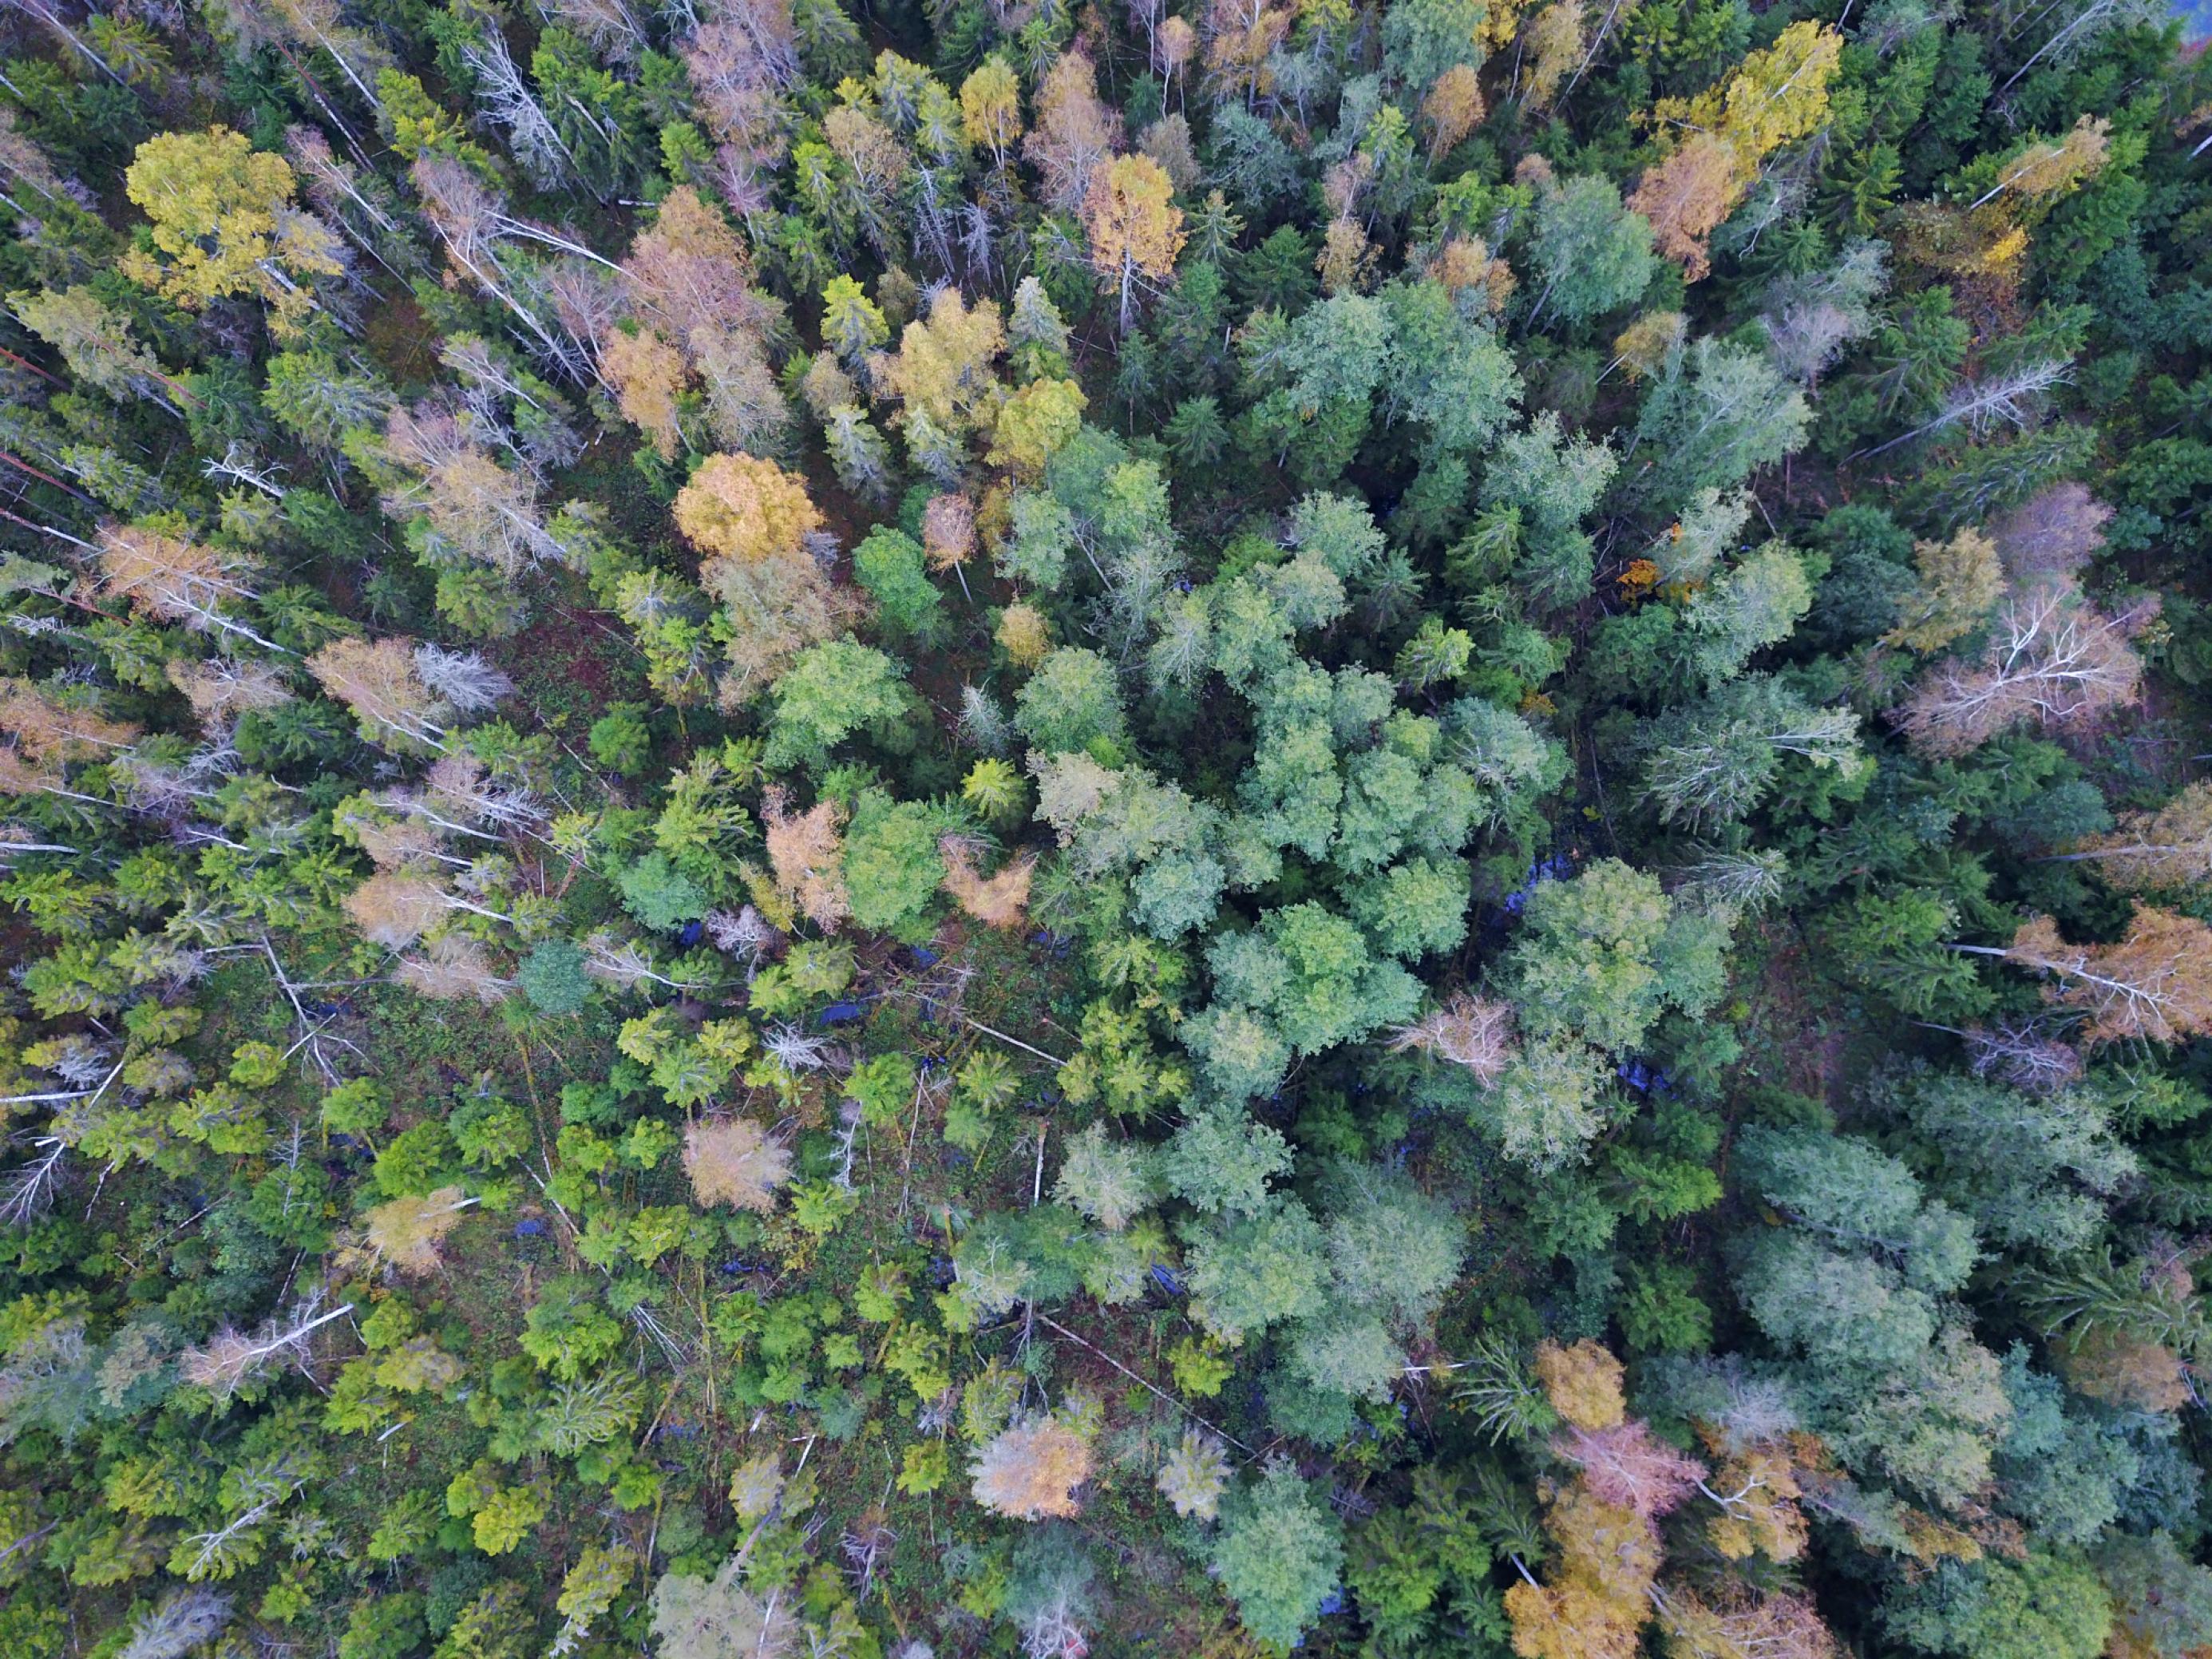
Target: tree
(742, 509)
(830, 691)
(649, 376)
(991, 109)
(2028, 1170)
(1711, 764)
(1219, 1159)
(1073, 134)
(1687, 197)
(1108, 1181)
(892, 865)
(2151, 852)
(2050, 659)
(2161, 1600)
(223, 224)
(1597, 1602)
(1392, 1248)
(406, 1231)
(853, 325)
(1034, 423)
(1135, 228)
(942, 371)
(1072, 701)
(179, 582)
(2152, 984)
(2041, 1605)
(1961, 582)
(552, 976)
(1846, 1190)
(93, 340)
(1194, 1476)
(892, 566)
(1031, 1469)
(1467, 1030)
(1305, 981)
(2054, 532)
(380, 681)
(1548, 1103)
(1717, 413)
(1248, 1273)
(1777, 96)
(1626, 1467)
(998, 900)
(696, 1617)
(1594, 257)
(806, 853)
(731, 1161)
(184, 1619)
(1279, 1553)
(1599, 955)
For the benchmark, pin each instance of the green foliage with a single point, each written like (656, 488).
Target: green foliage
(889, 565)
(2044, 1604)
(830, 692)
(1072, 702)
(1460, 892)
(1600, 956)
(1278, 1554)
(660, 895)
(552, 976)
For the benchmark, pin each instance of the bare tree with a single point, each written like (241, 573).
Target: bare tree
(1983, 405)
(1467, 1031)
(2051, 660)
(230, 1359)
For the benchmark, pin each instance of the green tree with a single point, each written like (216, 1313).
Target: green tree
(1594, 255)
(1600, 955)
(2047, 1605)
(831, 692)
(1279, 1553)
(1072, 701)
(890, 565)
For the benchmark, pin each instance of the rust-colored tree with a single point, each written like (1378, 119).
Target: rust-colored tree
(1074, 132)
(998, 900)
(2054, 532)
(649, 376)
(176, 580)
(378, 680)
(1734, 1622)
(2153, 851)
(1626, 1466)
(807, 855)
(1687, 196)
(2154, 984)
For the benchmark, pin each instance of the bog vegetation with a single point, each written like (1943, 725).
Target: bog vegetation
(1123, 826)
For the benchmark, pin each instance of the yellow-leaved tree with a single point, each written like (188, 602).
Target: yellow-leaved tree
(1136, 228)
(1776, 97)
(742, 507)
(224, 224)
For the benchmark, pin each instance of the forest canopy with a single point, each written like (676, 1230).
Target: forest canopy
(1120, 827)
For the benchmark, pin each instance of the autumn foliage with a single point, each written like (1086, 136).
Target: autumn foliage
(1031, 1469)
